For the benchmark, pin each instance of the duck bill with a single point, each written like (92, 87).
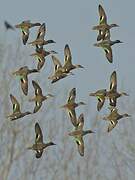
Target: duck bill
(92, 131)
(81, 66)
(54, 144)
(125, 94)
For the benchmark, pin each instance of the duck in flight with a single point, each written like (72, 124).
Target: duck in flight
(39, 145)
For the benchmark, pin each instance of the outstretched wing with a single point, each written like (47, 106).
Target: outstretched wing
(102, 20)
(24, 84)
(37, 106)
(72, 115)
(100, 103)
(56, 63)
(38, 90)
(111, 125)
(72, 96)
(102, 15)
(67, 54)
(25, 35)
(39, 135)
(113, 82)
(41, 62)
(80, 122)
(108, 53)
(80, 145)
(15, 103)
(41, 31)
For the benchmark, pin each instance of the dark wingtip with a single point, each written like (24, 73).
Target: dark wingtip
(36, 124)
(114, 72)
(33, 81)
(66, 46)
(25, 93)
(82, 154)
(99, 38)
(110, 60)
(24, 42)
(99, 6)
(34, 112)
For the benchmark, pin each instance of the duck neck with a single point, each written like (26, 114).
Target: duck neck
(87, 132)
(36, 24)
(33, 71)
(113, 25)
(116, 42)
(49, 41)
(48, 144)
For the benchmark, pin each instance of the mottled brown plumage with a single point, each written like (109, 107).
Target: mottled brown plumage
(100, 95)
(103, 26)
(40, 55)
(25, 26)
(16, 110)
(71, 105)
(39, 145)
(78, 134)
(113, 118)
(113, 94)
(23, 73)
(39, 97)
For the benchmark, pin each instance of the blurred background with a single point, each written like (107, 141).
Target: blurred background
(107, 156)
